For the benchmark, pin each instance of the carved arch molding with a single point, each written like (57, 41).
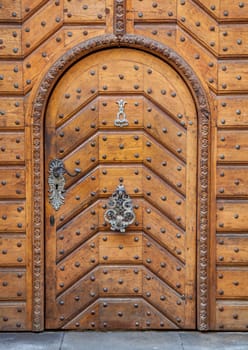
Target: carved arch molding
(38, 112)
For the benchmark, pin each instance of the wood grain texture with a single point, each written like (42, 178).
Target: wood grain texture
(211, 37)
(121, 155)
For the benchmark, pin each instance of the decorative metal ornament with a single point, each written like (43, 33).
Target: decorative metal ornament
(120, 212)
(121, 115)
(56, 181)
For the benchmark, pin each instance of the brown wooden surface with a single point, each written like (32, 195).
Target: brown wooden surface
(114, 264)
(212, 37)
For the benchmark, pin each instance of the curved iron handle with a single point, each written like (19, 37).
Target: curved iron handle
(61, 170)
(56, 181)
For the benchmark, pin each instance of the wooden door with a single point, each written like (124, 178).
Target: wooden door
(145, 277)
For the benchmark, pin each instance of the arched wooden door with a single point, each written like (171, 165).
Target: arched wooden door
(97, 277)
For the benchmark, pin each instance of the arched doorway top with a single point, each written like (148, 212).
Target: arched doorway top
(39, 105)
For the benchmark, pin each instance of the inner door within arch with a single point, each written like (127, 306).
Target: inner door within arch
(145, 277)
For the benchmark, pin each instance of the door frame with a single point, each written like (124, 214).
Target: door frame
(39, 100)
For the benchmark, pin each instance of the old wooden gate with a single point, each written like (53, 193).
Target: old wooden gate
(121, 117)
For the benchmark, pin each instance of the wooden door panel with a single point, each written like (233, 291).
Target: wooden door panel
(36, 28)
(14, 83)
(233, 283)
(13, 250)
(72, 234)
(119, 249)
(76, 130)
(16, 211)
(154, 11)
(12, 115)
(74, 93)
(121, 147)
(12, 147)
(13, 285)
(231, 315)
(231, 216)
(10, 7)
(13, 316)
(195, 15)
(12, 183)
(78, 11)
(165, 129)
(83, 157)
(86, 319)
(234, 76)
(121, 75)
(163, 264)
(232, 249)
(82, 194)
(78, 263)
(74, 299)
(163, 297)
(232, 110)
(11, 44)
(165, 198)
(165, 164)
(163, 230)
(232, 146)
(232, 181)
(99, 278)
(132, 314)
(131, 176)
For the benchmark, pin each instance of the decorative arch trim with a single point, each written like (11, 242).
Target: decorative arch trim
(37, 205)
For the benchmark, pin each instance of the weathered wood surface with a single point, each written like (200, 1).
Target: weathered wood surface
(212, 37)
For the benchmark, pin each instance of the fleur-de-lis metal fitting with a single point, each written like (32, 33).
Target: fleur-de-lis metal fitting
(120, 212)
(121, 115)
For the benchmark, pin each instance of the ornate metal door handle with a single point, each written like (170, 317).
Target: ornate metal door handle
(120, 212)
(56, 181)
